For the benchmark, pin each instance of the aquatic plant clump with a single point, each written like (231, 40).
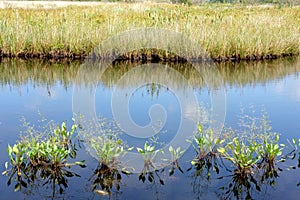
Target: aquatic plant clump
(254, 146)
(224, 32)
(251, 155)
(43, 154)
(109, 150)
(252, 159)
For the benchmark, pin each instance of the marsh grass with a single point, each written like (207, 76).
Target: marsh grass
(223, 31)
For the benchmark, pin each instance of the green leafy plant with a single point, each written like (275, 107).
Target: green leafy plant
(18, 161)
(206, 142)
(64, 137)
(206, 150)
(175, 155)
(150, 170)
(43, 155)
(149, 154)
(54, 148)
(109, 149)
(17, 154)
(243, 156)
(254, 144)
(271, 149)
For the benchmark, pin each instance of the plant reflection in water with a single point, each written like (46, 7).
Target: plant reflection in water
(43, 156)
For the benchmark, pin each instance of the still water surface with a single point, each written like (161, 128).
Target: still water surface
(32, 87)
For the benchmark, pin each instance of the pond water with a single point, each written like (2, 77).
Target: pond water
(145, 100)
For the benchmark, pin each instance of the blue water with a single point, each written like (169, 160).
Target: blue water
(278, 95)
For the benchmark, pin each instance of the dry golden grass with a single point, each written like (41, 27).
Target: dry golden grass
(223, 31)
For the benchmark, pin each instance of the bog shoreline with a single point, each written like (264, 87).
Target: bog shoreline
(71, 30)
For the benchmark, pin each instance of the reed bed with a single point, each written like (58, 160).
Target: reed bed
(223, 31)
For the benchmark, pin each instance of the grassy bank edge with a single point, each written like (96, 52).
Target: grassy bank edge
(139, 57)
(221, 44)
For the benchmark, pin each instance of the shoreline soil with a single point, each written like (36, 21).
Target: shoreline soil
(139, 57)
